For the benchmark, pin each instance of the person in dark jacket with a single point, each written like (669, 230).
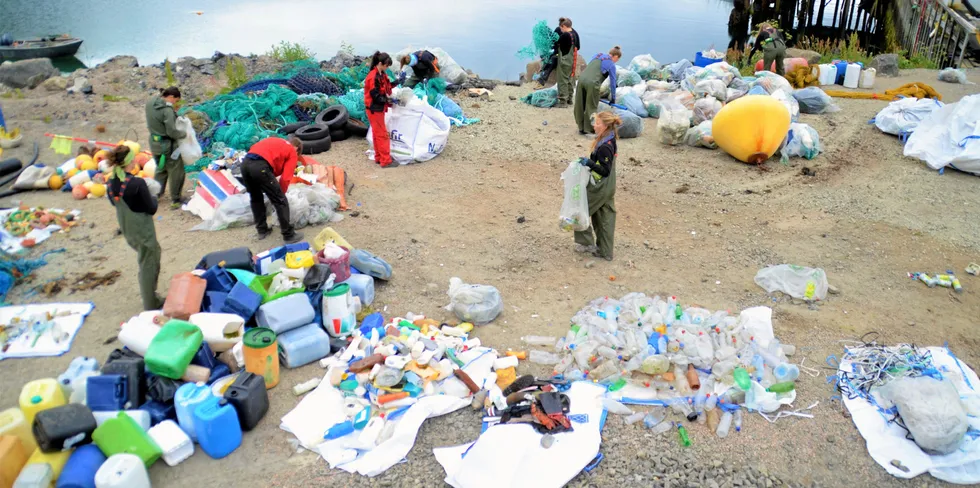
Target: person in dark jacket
(738, 26)
(587, 92)
(773, 47)
(266, 160)
(377, 99)
(566, 63)
(552, 63)
(135, 206)
(424, 64)
(161, 121)
(602, 188)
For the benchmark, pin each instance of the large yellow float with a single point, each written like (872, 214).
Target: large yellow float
(751, 128)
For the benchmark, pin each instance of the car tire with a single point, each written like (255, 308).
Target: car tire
(313, 132)
(318, 146)
(291, 128)
(339, 135)
(335, 117)
(356, 128)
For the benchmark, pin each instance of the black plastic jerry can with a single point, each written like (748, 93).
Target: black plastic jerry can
(134, 371)
(62, 428)
(250, 399)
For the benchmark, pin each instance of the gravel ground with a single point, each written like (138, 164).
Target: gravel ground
(861, 211)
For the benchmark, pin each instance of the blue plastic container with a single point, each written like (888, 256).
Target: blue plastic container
(107, 392)
(701, 61)
(78, 366)
(302, 346)
(134, 369)
(218, 279)
(217, 427)
(218, 372)
(213, 301)
(160, 411)
(373, 321)
(190, 396)
(79, 471)
(242, 301)
(362, 286)
(296, 247)
(205, 357)
(286, 313)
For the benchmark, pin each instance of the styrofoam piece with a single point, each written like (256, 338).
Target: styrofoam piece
(173, 441)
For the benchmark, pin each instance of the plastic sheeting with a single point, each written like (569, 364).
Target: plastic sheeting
(949, 136)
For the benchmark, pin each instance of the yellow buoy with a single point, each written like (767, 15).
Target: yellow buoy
(55, 182)
(97, 190)
(85, 162)
(133, 146)
(751, 128)
(71, 172)
(101, 155)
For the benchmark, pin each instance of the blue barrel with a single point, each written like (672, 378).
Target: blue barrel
(79, 471)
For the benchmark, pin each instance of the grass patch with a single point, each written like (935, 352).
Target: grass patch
(347, 47)
(235, 71)
(114, 98)
(169, 71)
(288, 52)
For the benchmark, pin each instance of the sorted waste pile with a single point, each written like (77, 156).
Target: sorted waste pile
(190, 373)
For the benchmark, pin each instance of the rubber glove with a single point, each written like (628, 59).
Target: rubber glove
(584, 161)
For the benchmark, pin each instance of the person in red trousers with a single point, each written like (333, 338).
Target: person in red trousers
(377, 99)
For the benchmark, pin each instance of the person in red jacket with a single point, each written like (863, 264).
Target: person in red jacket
(377, 93)
(266, 160)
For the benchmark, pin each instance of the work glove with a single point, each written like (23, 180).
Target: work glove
(584, 161)
(401, 78)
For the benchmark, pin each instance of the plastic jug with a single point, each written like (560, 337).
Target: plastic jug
(302, 346)
(868, 78)
(80, 470)
(37, 475)
(828, 74)
(218, 279)
(142, 417)
(134, 370)
(55, 460)
(328, 235)
(217, 428)
(362, 286)
(173, 348)
(338, 311)
(173, 441)
(122, 471)
(107, 392)
(123, 435)
(158, 411)
(189, 396)
(242, 301)
(12, 459)
(221, 330)
(852, 75)
(184, 296)
(76, 368)
(62, 428)
(261, 350)
(250, 399)
(13, 423)
(139, 331)
(285, 313)
(213, 301)
(299, 259)
(337, 258)
(40, 395)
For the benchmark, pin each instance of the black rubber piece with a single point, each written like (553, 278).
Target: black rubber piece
(356, 128)
(17, 173)
(318, 146)
(313, 132)
(8, 166)
(290, 128)
(339, 135)
(335, 117)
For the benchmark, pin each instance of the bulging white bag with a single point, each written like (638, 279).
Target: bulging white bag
(949, 136)
(904, 115)
(795, 281)
(188, 149)
(418, 131)
(477, 304)
(574, 214)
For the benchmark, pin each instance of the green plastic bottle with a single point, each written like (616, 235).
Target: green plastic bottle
(742, 379)
(682, 434)
(784, 387)
(618, 385)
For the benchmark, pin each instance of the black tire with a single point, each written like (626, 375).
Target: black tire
(339, 135)
(335, 117)
(318, 146)
(291, 128)
(313, 132)
(356, 128)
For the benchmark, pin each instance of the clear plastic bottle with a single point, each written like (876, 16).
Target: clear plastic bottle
(656, 364)
(613, 406)
(608, 352)
(604, 370)
(575, 375)
(633, 364)
(738, 420)
(564, 363)
(786, 372)
(725, 424)
(584, 352)
(543, 357)
(539, 340)
(636, 417)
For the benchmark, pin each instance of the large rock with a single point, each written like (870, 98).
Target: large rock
(118, 62)
(812, 57)
(55, 84)
(29, 73)
(886, 64)
(534, 67)
(82, 86)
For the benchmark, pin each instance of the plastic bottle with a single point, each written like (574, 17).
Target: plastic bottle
(636, 417)
(539, 340)
(682, 435)
(786, 372)
(607, 352)
(655, 364)
(604, 370)
(613, 406)
(692, 378)
(725, 424)
(543, 357)
(563, 364)
(712, 419)
(738, 420)
(784, 387)
(583, 352)
(742, 379)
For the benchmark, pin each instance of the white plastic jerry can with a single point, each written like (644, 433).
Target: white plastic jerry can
(338, 311)
(122, 471)
(868, 78)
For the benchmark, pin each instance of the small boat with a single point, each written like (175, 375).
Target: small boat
(48, 47)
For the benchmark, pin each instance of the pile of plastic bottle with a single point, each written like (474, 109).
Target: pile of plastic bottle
(703, 365)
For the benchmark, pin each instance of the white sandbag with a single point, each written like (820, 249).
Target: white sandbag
(705, 109)
(477, 304)
(644, 65)
(802, 141)
(188, 149)
(711, 88)
(950, 136)
(700, 136)
(673, 124)
(791, 104)
(311, 205)
(904, 115)
(233, 211)
(633, 103)
(931, 410)
(418, 131)
(770, 82)
(574, 213)
(795, 281)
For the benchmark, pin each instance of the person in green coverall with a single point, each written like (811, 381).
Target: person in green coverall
(587, 92)
(135, 206)
(566, 61)
(602, 188)
(161, 121)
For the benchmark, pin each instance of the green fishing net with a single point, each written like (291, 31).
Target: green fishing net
(244, 119)
(542, 98)
(354, 101)
(544, 38)
(431, 90)
(350, 78)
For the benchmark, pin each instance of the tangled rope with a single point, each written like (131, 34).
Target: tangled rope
(917, 90)
(804, 76)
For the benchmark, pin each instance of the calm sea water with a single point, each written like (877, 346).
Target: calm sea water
(481, 35)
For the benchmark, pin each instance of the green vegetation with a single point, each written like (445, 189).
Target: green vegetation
(235, 71)
(288, 52)
(347, 47)
(114, 98)
(168, 69)
(13, 94)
